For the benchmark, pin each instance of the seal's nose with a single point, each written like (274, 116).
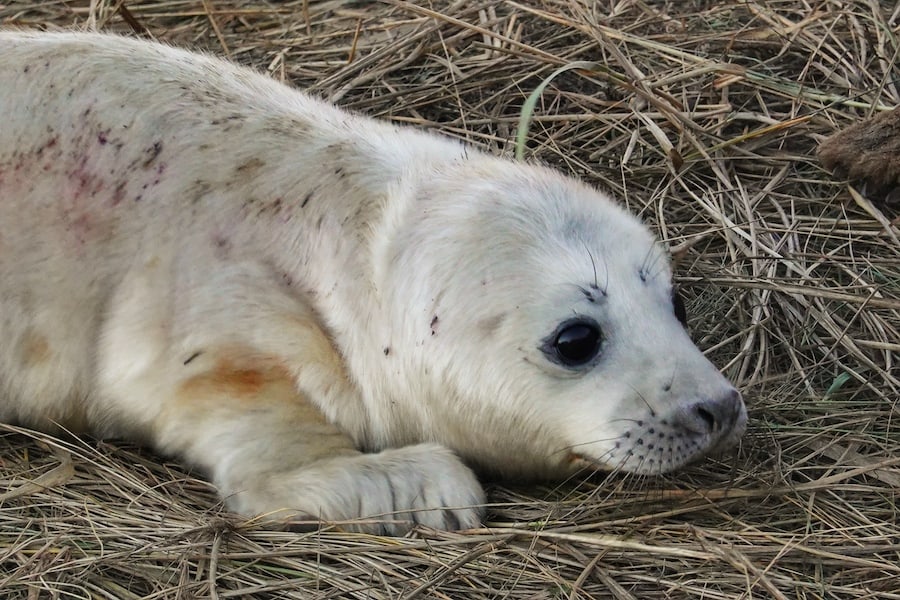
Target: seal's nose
(713, 416)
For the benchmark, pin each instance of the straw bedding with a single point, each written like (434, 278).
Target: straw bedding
(704, 119)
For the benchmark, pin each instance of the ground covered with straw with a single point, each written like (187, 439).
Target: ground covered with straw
(702, 117)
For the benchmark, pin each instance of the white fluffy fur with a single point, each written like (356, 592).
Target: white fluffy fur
(321, 310)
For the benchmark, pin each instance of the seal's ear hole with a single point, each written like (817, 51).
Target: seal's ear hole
(575, 343)
(678, 306)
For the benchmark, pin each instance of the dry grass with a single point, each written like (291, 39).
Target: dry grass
(705, 122)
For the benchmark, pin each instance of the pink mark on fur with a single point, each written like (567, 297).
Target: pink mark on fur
(87, 183)
(80, 215)
(51, 143)
(119, 193)
(160, 169)
(222, 245)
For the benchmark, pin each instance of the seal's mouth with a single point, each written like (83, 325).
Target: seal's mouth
(579, 463)
(630, 463)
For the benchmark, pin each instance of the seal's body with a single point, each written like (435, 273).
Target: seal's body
(321, 310)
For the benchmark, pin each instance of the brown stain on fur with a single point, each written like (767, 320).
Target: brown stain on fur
(250, 166)
(489, 326)
(35, 349)
(243, 385)
(242, 379)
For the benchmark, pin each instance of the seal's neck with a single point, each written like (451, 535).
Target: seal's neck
(334, 240)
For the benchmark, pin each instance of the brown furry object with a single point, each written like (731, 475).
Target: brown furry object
(868, 152)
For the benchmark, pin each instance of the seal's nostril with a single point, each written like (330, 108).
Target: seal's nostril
(706, 417)
(712, 416)
(732, 407)
(696, 418)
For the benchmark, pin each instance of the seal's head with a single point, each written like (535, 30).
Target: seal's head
(540, 329)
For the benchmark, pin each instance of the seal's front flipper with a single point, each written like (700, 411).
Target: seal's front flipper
(272, 453)
(385, 493)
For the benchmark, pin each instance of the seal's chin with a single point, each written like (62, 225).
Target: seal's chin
(581, 463)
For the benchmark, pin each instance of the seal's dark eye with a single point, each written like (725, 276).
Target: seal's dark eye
(678, 306)
(576, 343)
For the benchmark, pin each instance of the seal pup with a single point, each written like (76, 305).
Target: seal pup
(326, 313)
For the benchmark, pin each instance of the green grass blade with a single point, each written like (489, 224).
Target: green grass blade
(528, 108)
